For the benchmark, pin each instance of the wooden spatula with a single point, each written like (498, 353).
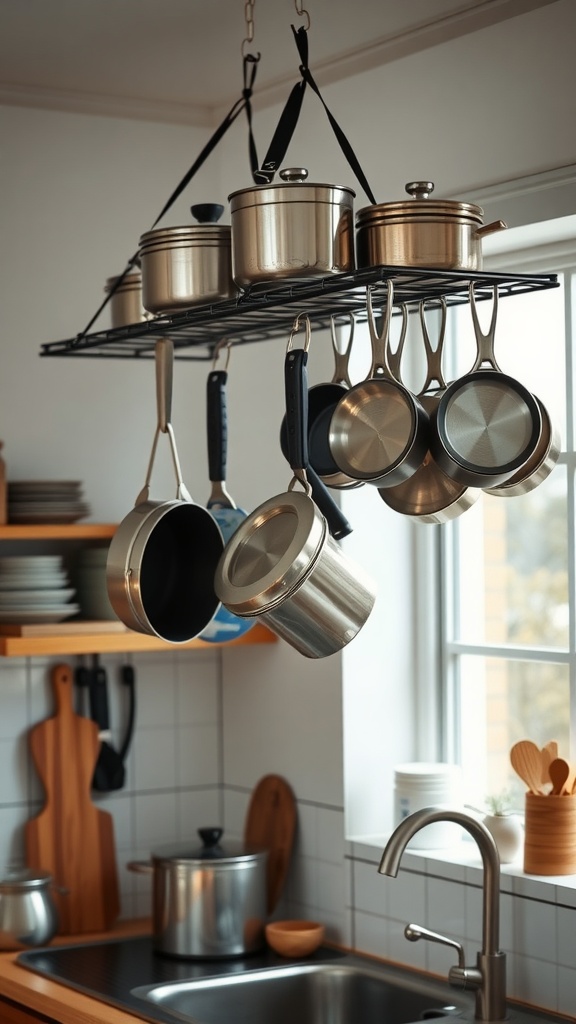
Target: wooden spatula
(562, 774)
(549, 752)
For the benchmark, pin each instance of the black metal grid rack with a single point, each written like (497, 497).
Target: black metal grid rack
(268, 311)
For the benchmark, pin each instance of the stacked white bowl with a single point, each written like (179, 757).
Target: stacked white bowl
(35, 588)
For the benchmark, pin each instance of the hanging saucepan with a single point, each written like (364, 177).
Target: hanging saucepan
(282, 563)
(540, 464)
(422, 232)
(379, 429)
(429, 496)
(161, 560)
(224, 626)
(487, 424)
(322, 400)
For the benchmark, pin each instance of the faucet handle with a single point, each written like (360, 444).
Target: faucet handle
(414, 932)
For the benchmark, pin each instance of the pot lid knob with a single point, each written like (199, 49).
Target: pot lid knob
(210, 837)
(207, 213)
(420, 189)
(294, 174)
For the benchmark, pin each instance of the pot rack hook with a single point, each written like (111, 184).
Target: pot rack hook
(302, 13)
(296, 328)
(223, 343)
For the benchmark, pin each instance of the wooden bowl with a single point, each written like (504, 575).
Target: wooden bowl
(294, 938)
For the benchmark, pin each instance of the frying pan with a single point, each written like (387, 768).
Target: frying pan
(540, 464)
(161, 560)
(224, 626)
(429, 496)
(282, 564)
(322, 400)
(488, 424)
(379, 429)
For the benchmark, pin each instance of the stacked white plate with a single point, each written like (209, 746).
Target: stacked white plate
(46, 501)
(35, 588)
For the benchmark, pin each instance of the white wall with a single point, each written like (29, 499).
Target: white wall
(76, 193)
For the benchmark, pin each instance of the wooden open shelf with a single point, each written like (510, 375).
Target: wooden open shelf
(93, 642)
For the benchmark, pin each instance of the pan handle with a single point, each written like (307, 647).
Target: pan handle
(380, 369)
(395, 358)
(217, 430)
(485, 357)
(341, 355)
(164, 361)
(434, 373)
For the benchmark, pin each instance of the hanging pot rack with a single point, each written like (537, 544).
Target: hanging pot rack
(264, 313)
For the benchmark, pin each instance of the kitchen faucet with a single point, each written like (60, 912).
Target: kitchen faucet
(488, 978)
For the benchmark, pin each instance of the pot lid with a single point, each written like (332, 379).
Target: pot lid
(271, 553)
(293, 188)
(24, 879)
(205, 230)
(421, 206)
(210, 849)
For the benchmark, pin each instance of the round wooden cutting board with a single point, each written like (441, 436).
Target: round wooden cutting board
(270, 825)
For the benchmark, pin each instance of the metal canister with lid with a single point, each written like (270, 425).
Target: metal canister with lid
(422, 232)
(188, 265)
(291, 229)
(28, 915)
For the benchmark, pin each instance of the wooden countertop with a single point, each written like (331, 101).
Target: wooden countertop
(63, 1004)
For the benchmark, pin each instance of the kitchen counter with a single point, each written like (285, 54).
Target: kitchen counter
(58, 1002)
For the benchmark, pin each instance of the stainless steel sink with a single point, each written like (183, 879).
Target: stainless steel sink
(307, 993)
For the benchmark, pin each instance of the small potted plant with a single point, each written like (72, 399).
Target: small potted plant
(504, 825)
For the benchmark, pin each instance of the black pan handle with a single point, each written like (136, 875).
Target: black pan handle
(337, 523)
(217, 424)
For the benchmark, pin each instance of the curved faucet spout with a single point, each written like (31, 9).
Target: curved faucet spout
(403, 833)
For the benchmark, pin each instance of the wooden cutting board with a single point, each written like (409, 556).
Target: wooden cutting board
(270, 825)
(70, 838)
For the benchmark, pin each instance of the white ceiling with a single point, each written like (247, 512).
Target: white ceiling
(180, 60)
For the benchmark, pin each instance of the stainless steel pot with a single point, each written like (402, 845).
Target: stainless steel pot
(28, 915)
(291, 229)
(282, 564)
(188, 265)
(126, 301)
(422, 232)
(208, 902)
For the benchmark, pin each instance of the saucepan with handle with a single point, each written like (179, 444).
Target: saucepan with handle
(282, 564)
(429, 495)
(487, 424)
(379, 429)
(161, 560)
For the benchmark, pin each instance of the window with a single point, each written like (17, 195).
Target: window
(506, 566)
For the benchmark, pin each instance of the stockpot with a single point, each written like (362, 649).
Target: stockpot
(291, 229)
(28, 915)
(422, 232)
(126, 300)
(208, 900)
(187, 265)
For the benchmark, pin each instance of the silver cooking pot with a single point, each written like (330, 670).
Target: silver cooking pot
(208, 901)
(187, 265)
(422, 232)
(291, 229)
(28, 915)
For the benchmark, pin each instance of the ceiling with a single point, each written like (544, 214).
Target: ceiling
(180, 60)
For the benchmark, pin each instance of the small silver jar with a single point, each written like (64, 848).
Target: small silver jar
(28, 915)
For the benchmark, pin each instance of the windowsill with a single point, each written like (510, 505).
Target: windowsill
(462, 863)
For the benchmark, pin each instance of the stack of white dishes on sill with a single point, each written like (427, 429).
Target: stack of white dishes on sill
(46, 501)
(419, 784)
(91, 584)
(35, 588)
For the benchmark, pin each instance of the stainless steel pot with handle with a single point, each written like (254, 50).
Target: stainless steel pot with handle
(161, 560)
(208, 899)
(282, 564)
(422, 232)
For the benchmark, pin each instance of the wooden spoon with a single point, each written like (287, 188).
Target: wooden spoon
(526, 760)
(562, 774)
(549, 752)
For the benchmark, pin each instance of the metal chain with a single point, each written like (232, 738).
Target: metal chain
(302, 13)
(249, 19)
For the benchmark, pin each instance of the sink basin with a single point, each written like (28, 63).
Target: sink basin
(310, 993)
